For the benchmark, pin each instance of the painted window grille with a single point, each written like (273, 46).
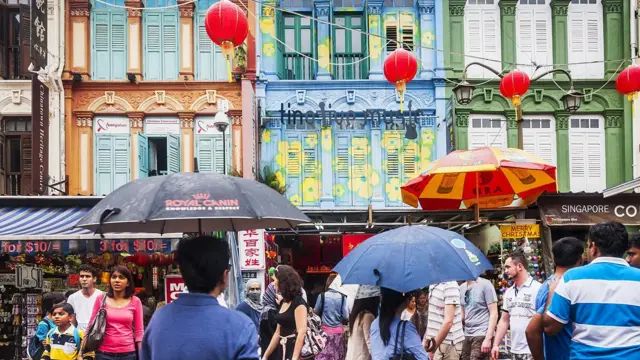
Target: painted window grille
(482, 37)
(349, 48)
(586, 39)
(160, 41)
(297, 56)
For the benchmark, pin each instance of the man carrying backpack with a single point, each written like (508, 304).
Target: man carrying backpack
(36, 343)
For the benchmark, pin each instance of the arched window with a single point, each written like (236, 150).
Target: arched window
(109, 41)
(482, 39)
(160, 40)
(533, 34)
(586, 38)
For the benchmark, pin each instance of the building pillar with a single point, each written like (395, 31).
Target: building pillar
(80, 45)
(377, 200)
(462, 129)
(614, 148)
(560, 38)
(84, 148)
(136, 119)
(512, 129)
(427, 40)
(563, 166)
(187, 145)
(376, 43)
(614, 27)
(134, 50)
(508, 30)
(455, 34)
(186, 39)
(268, 52)
(326, 146)
(236, 135)
(323, 10)
(70, 141)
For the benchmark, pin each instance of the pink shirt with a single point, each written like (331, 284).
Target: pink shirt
(119, 331)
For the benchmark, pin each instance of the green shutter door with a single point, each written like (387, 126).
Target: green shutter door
(219, 153)
(170, 46)
(173, 154)
(101, 34)
(104, 164)
(204, 151)
(153, 45)
(143, 156)
(118, 63)
(121, 158)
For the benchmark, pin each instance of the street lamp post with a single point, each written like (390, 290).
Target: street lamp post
(221, 122)
(464, 93)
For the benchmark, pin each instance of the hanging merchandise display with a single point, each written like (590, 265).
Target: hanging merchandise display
(228, 27)
(400, 67)
(628, 82)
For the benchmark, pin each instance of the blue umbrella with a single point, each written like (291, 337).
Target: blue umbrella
(412, 257)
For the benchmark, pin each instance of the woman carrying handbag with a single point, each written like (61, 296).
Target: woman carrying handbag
(118, 317)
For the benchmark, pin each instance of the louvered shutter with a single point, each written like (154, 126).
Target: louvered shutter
(26, 172)
(542, 36)
(153, 45)
(143, 156)
(342, 167)
(594, 40)
(219, 162)
(577, 161)
(118, 64)
(204, 153)
(409, 157)
(104, 165)
(360, 168)
(121, 163)
(311, 166)
(541, 142)
(477, 139)
(4, 55)
(25, 41)
(170, 46)
(294, 164)
(594, 153)
(577, 42)
(491, 40)
(406, 31)
(101, 62)
(525, 29)
(392, 140)
(173, 154)
(391, 32)
(473, 41)
(211, 64)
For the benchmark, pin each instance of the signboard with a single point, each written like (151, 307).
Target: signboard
(137, 245)
(8, 279)
(173, 287)
(15, 247)
(40, 134)
(520, 231)
(350, 241)
(161, 126)
(29, 277)
(252, 253)
(39, 45)
(111, 125)
(205, 126)
(586, 210)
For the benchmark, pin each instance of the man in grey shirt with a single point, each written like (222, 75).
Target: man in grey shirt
(480, 316)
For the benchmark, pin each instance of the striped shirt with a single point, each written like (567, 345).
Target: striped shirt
(440, 295)
(602, 301)
(63, 346)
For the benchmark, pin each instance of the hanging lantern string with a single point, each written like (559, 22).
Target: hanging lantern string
(366, 33)
(601, 87)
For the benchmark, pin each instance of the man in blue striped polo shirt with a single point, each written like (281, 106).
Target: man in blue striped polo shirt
(600, 299)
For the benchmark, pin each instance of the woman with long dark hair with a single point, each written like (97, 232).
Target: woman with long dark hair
(419, 319)
(292, 316)
(123, 333)
(385, 327)
(362, 316)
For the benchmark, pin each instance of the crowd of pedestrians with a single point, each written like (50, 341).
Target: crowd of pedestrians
(580, 312)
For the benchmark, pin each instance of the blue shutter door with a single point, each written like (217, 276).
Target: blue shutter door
(118, 63)
(143, 156)
(311, 181)
(219, 64)
(173, 154)
(100, 62)
(204, 151)
(104, 165)
(219, 154)
(121, 158)
(153, 44)
(170, 45)
(342, 169)
(360, 170)
(204, 64)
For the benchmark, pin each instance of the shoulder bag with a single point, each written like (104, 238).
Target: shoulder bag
(95, 333)
(401, 355)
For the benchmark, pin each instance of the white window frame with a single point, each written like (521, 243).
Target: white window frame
(493, 133)
(586, 71)
(583, 130)
(535, 131)
(484, 10)
(536, 12)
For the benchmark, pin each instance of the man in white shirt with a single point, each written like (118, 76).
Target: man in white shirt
(519, 306)
(444, 337)
(83, 300)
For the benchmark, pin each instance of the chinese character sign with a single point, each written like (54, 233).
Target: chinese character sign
(39, 46)
(252, 252)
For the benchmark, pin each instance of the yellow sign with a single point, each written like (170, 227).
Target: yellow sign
(520, 231)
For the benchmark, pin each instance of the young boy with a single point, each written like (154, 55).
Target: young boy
(36, 343)
(63, 342)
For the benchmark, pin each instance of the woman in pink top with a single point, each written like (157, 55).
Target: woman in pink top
(124, 330)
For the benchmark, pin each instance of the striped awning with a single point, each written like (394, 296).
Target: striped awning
(18, 223)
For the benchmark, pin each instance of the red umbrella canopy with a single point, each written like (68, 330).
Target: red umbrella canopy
(400, 67)
(226, 25)
(514, 85)
(628, 81)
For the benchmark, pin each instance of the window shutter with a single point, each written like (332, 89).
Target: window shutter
(342, 167)
(143, 156)
(100, 62)
(473, 40)
(118, 49)
(594, 151)
(121, 158)
(359, 168)
(25, 41)
(310, 164)
(406, 31)
(391, 32)
(525, 36)
(280, 60)
(294, 164)
(593, 21)
(104, 165)
(26, 172)
(577, 160)
(219, 162)
(4, 55)
(541, 142)
(3, 166)
(491, 40)
(409, 156)
(542, 37)
(153, 46)
(170, 45)
(577, 46)
(173, 154)
(392, 140)
(205, 52)
(204, 149)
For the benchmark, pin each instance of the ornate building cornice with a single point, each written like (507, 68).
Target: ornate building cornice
(613, 119)
(612, 6)
(79, 7)
(136, 119)
(559, 9)
(462, 120)
(84, 118)
(456, 10)
(138, 4)
(186, 8)
(507, 9)
(374, 9)
(428, 9)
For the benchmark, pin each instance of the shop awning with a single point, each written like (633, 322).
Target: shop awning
(619, 189)
(54, 223)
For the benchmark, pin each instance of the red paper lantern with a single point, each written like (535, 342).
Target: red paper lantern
(628, 82)
(400, 67)
(514, 85)
(143, 259)
(227, 26)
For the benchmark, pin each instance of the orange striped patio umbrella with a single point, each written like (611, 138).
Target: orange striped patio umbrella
(486, 176)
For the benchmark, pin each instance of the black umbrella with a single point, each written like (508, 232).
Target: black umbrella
(190, 203)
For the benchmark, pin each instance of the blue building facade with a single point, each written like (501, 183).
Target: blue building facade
(332, 131)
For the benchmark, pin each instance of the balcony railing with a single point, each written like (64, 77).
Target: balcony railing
(298, 67)
(350, 67)
(13, 185)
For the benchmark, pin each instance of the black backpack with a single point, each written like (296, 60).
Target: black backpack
(402, 355)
